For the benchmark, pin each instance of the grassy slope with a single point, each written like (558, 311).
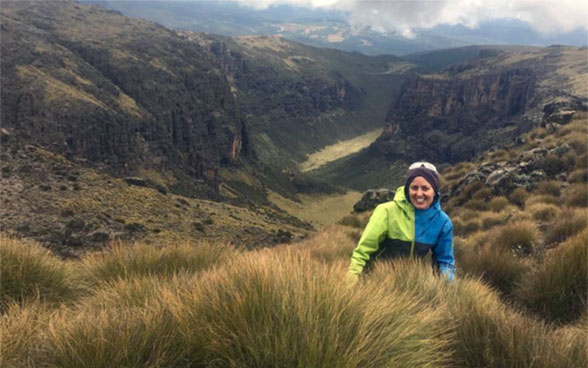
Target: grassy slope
(209, 304)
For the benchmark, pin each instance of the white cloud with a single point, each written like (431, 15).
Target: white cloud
(402, 16)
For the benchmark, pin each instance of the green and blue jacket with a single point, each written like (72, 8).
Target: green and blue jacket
(397, 229)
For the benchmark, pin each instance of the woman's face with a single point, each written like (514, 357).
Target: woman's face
(421, 193)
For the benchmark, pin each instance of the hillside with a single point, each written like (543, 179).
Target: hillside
(90, 83)
(518, 300)
(469, 108)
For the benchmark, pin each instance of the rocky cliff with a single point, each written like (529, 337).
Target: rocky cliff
(465, 110)
(92, 84)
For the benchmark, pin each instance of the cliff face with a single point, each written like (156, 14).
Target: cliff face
(297, 99)
(93, 84)
(471, 107)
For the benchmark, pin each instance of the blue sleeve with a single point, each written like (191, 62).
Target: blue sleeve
(443, 252)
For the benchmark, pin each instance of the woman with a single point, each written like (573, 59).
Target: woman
(409, 225)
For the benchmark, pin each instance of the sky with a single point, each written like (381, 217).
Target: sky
(403, 16)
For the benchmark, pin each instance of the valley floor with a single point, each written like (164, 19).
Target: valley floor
(339, 150)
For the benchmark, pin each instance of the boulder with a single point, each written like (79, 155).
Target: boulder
(372, 198)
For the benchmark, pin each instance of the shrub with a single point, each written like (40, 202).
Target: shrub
(518, 197)
(557, 290)
(543, 212)
(30, 272)
(549, 188)
(520, 236)
(569, 222)
(497, 204)
(125, 261)
(576, 195)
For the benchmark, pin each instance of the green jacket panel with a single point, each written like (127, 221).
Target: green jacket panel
(393, 220)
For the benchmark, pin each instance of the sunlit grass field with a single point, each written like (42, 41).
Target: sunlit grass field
(213, 305)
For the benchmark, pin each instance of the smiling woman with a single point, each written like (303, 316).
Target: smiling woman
(408, 226)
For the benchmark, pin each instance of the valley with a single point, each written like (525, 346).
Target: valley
(339, 150)
(174, 198)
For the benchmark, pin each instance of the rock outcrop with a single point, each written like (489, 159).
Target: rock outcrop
(471, 107)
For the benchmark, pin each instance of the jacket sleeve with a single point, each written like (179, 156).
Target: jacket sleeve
(443, 252)
(373, 234)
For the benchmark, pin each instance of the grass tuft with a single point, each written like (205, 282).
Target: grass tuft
(29, 272)
(558, 289)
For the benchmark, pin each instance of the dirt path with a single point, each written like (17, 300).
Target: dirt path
(339, 150)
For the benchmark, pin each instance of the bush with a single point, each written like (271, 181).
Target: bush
(576, 195)
(124, 261)
(549, 188)
(520, 236)
(543, 212)
(497, 204)
(569, 222)
(29, 272)
(518, 197)
(557, 290)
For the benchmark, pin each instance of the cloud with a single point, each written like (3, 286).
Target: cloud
(402, 16)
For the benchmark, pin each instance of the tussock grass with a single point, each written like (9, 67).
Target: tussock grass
(500, 268)
(549, 188)
(518, 197)
(497, 204)
(543, 211)
(548, 199)
(518, 236)
(114, 337)
(578, 176)
(123, 261)
(351, 221)
(558, 289)
(29, 272)
(21, 326)
(286, 310)
(576, 195)
(569, 222)
(330, 245)
(489, 334)
(490, 219)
